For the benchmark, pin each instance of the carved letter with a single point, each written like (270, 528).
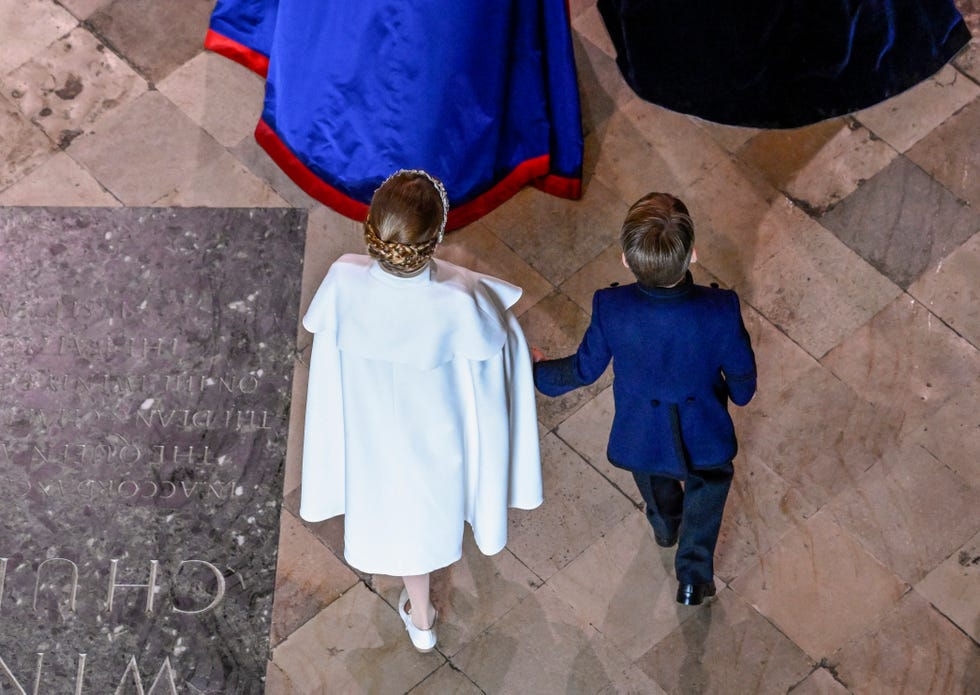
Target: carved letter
(74, 581)
(37, 675)
(150, 586)
(80, 674)
(133, 671)
(3, 575)
(219, 594)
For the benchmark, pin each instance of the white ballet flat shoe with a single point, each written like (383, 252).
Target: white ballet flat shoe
(423, 640)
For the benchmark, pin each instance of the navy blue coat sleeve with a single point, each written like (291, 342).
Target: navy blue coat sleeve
(738, 362)
(556, 377)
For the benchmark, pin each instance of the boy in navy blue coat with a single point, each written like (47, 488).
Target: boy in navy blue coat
(680, 351)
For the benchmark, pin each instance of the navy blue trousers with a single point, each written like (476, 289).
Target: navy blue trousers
(693, 512)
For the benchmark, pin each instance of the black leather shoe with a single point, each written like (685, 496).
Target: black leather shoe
(665, 542)
(694, 594)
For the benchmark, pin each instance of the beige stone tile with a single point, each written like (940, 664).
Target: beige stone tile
(820, 164)
(588, 24)
(218, 94)
(732, 138)
(602, 88)
(72, 84)
(910, 511)
(820, 682)
(329, 235)
(277, 682)
(761, 508)
(557, 236)
(471, 594)
(791, 269)
(308, 578)
(725, 648)
(24, 145)
(644, 148)
(906, 118)
(913, 650)
(256, 159)
(446, 681)
(950, 290)
(29, 26)
(805, 586)
(951, 153)
(906, 358)
(817, 434)
(356, 644)
(624, 586)
(144, 150)
(476, 247)
(952, 434)
(84, 8)
(605, 270)
(297, 420)
(587, 432)
(58, 181)
(543, 646)
(954, 585)
(556, 325)
(779, 361)
(225, 182)
(579, 507)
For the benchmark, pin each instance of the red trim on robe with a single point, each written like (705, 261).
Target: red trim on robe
(533, 171)
(241, 54)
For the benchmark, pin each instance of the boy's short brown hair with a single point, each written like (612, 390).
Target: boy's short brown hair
(658, 240)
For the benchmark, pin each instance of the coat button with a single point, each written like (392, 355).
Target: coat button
(655, 403)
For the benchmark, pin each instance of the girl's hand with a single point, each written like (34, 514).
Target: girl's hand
(536, 354)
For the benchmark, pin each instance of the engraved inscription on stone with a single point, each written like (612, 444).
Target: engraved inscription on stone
(145, 366)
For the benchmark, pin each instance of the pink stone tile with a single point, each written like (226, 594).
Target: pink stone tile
(308, 578)
(356, 644)
(58, 181)
(952, 587)
(144, 150)
(84, 8)
(817, 434)
(71, 84)
(297, 419)
(906, 358)
(602, 88)
(805, 585)
(24, 145)
(726, 647)
(820, 682)
(157, 37)
(446, 680)
(543, 646)
(732, 138)
(913, 650)
(968, 61)
(579, 507)
(952, 434)
(29, 26)
(950, 290)
(909, 511)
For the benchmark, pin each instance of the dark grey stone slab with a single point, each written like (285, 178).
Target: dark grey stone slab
(145, 365)
(902, 221)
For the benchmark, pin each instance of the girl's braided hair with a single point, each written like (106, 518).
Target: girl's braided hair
(406, 221)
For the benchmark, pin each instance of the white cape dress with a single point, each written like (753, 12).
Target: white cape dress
(420, 414)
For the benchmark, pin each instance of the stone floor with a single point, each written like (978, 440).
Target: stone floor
(850, 553)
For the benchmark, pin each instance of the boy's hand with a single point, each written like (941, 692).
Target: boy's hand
(536, 354)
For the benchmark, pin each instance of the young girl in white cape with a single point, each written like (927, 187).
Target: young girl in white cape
(420, 410)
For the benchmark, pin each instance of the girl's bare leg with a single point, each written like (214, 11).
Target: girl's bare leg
(422, 612)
